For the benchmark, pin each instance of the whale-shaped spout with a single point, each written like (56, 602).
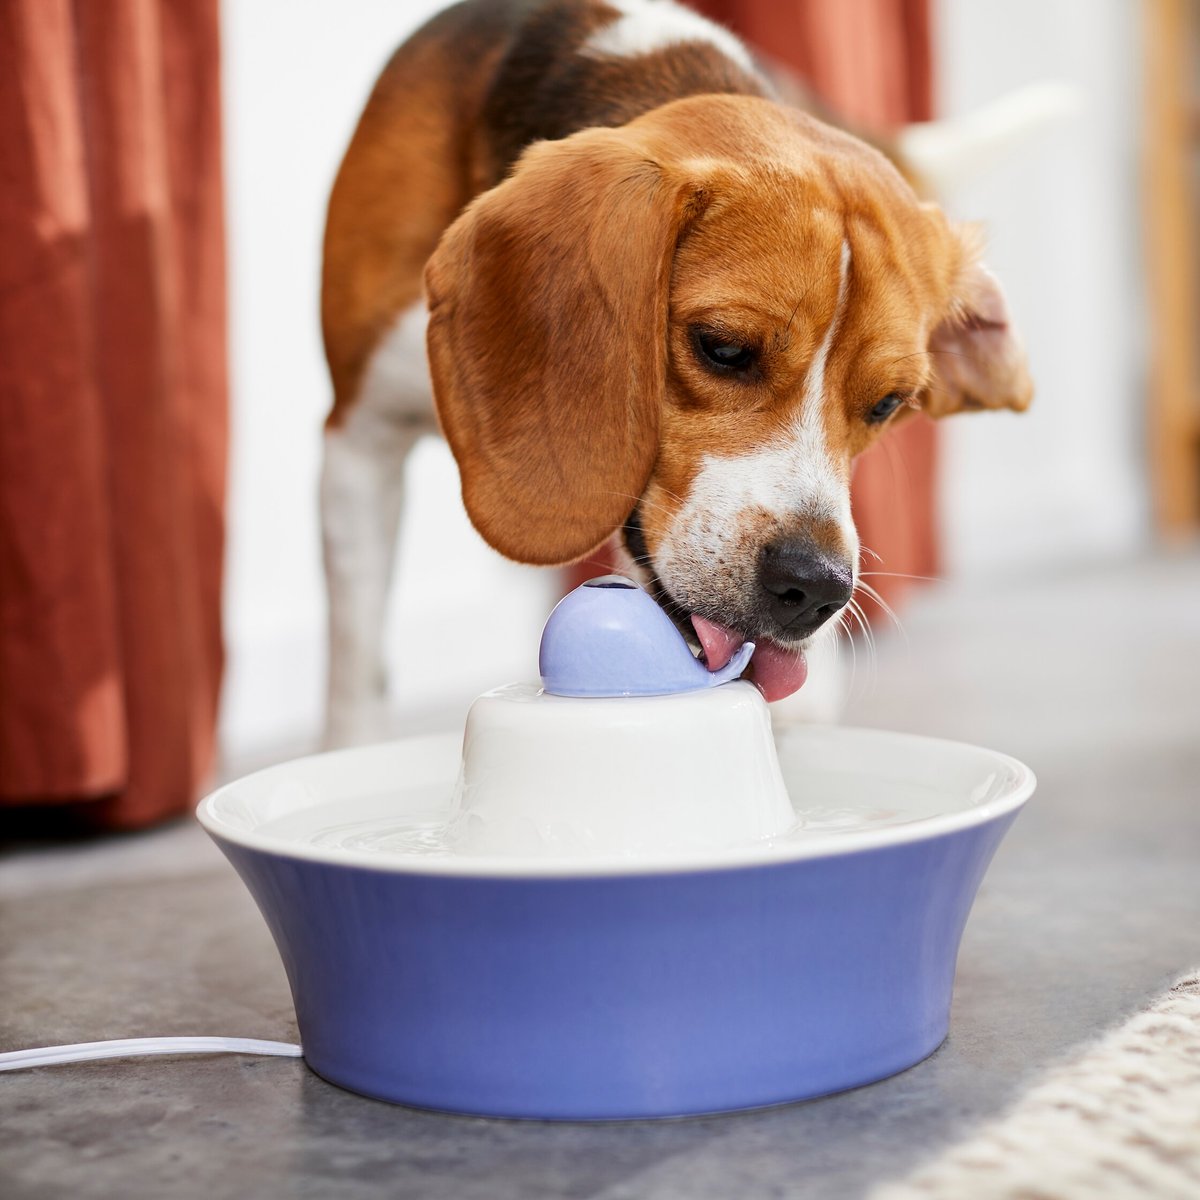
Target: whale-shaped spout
(609, 638)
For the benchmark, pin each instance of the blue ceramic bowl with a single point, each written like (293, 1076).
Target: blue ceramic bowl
(521, 988)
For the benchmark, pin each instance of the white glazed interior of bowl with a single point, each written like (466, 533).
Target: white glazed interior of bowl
(387, 807)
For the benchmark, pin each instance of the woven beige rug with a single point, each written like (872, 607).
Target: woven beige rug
(1121, 1121)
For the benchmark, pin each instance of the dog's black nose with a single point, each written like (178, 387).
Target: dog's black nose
(801, 587)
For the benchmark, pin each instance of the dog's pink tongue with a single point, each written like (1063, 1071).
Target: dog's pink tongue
(776, 672)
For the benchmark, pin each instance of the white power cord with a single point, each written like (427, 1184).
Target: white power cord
(44, 1056)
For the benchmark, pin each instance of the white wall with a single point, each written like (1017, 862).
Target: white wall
(1064, 481)
(1059, 483)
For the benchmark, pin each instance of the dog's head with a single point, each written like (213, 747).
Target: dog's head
(686, 328)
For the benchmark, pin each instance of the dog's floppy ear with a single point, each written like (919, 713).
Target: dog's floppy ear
(547, 340)
(978, 359)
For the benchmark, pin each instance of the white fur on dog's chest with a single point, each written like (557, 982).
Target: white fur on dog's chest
(396, 382)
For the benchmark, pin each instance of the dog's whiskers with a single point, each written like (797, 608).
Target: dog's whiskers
(868, 634)
(641, 500)
(860, 615)
(868, 590)
(898, 575)
(843, 633)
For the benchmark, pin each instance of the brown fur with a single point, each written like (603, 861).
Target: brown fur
(404, 178)
(563, 302)
(563, 299)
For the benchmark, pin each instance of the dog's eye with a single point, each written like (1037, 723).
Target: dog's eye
(885, 408)
(721, 351)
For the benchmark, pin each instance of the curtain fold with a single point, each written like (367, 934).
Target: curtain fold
(113, 393)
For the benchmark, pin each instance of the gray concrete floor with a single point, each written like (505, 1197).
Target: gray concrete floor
(1091, 906)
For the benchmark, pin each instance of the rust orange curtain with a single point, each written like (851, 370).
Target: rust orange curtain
(112, 405)
(869, 61)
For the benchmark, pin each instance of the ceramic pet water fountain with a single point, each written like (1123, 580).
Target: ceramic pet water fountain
(619, 896)
(643, 746)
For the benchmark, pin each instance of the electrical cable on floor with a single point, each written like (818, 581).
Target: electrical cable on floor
(44, 1056)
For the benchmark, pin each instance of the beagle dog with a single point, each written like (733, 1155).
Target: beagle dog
(657, 304)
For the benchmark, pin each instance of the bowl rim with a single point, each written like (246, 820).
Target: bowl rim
(757, 854)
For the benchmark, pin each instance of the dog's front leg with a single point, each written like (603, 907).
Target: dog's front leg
(362, 493)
